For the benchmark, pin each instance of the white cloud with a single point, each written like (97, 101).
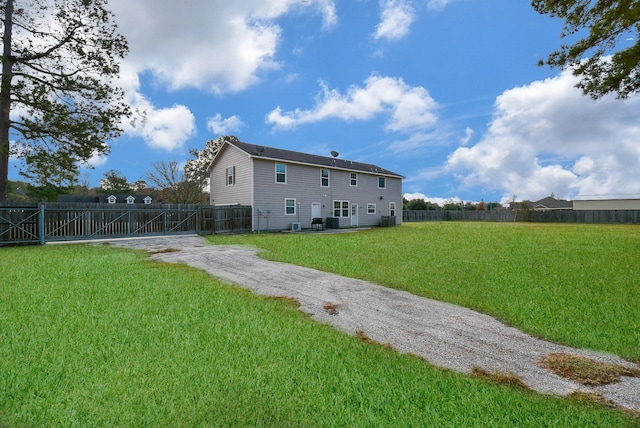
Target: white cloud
(221, 126)
(435, 200)
(97, 160)
(547, 137)
(468, 134)
(438, 4)
(165, 128)
(217, 46)
(396, 19)
(408, 108)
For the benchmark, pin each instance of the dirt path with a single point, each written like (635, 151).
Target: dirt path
(445, 335)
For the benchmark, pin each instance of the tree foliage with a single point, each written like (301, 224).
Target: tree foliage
(609, 24)
(174, 185)
(115, 182)
(197, 169)
(57, 99)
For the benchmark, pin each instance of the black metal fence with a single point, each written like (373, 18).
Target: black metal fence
(62, 222)
(556, 216)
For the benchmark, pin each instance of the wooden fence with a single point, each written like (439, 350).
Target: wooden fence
(62, 222)
(557, 216)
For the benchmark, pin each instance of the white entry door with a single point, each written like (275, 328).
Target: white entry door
(316, 211)
(354, 215)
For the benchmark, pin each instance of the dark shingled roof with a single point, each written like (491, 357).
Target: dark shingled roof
(554, 204)
(257, 151)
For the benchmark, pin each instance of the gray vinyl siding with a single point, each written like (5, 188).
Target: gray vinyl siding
(304, 185)
(240, 191)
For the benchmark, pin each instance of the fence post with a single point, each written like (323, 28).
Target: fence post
(41, 231)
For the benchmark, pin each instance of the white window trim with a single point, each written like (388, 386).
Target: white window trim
(385, 182)
(343, 208)
(351, 179)
(322, 177)
(286, 206)
(130, 200)
(392, 204)
(285, 173)
(374, 208)
(231, 174)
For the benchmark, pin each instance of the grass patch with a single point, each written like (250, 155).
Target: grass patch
(569, 283)
(586, 370)
(504, 378)
(101, 336)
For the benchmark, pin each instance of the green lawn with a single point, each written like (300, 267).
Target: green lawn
(573, 284)
(101, 336)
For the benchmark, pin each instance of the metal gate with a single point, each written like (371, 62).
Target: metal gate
(63, 222)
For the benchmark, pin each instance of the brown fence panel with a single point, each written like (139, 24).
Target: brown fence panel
(557, 216)
(226, 219)
(20, 224)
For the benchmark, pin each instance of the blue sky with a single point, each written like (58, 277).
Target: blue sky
(445, 92)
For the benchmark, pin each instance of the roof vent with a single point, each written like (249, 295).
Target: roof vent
(334, 153)
(260, 149)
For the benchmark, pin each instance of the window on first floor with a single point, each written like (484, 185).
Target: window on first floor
(392, 209)
(281, 173)
(341, 208)
(290, 206)
(371, 208)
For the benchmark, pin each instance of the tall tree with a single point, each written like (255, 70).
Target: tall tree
(176, 188)
(115, 182)
(57, 99)
(197, 169)
(609, 24)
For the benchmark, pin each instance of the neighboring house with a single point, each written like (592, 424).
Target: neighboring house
(107, 198)
(551, 204)
(285, 187)
(606, 204)
(125, 199)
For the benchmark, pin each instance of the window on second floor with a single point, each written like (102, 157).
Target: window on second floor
(324, 180)
(382, 182)
(353, 180)
(281, 173)
(231, 175)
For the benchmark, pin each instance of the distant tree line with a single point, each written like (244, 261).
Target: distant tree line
(422, 205)
(168, 181)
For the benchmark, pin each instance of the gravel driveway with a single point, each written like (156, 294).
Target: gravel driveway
(446, 335)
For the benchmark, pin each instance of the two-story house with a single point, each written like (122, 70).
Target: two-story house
(288, 189)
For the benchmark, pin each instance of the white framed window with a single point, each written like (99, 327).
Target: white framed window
(392, 209)
(130, 199)
(371, 208)
(382, 182)
(111, 199)
(147, 200)
(290, 206)
(231, 175)
(324, 177)
(341, 208)
(353, 179)
(281, 173)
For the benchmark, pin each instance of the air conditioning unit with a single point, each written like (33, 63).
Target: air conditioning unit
(295, 227)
